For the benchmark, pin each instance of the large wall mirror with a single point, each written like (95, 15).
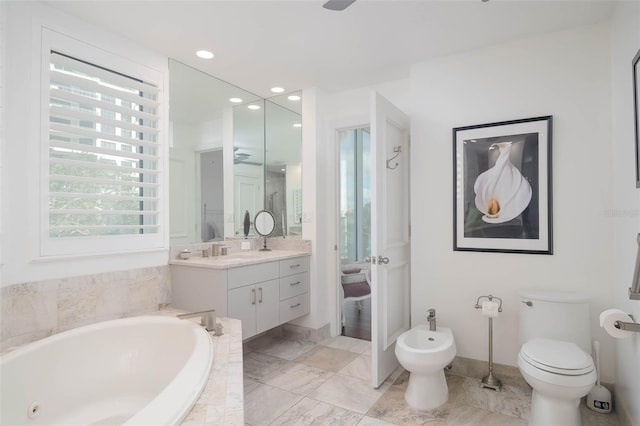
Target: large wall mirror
(230, 152)
(283, 172)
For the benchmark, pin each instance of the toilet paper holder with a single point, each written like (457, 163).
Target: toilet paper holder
(490, 381)
(627, 326)
(490, 298)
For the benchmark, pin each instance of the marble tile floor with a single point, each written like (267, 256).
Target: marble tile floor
(291, 382)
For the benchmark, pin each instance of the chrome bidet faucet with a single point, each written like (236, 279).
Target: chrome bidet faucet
(431, 317)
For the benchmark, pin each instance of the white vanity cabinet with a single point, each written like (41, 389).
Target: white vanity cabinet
(254, 296)
(262, 295)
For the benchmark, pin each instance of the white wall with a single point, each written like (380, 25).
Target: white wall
(625, 42)
(21, 145)
(566, 75)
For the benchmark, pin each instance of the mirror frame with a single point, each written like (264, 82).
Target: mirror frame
(260, 218)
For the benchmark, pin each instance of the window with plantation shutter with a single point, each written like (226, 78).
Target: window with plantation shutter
(104, 156)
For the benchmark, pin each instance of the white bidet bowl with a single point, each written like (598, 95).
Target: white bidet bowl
(425, 353)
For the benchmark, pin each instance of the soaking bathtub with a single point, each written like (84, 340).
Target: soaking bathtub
(146, 370)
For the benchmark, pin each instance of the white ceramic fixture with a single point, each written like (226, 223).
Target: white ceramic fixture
(425, 353)
(555, 354)
(147, 370)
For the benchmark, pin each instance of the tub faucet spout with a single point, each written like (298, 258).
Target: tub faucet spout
(207, 318)
(431, 317)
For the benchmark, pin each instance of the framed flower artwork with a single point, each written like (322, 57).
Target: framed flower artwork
(502, 187)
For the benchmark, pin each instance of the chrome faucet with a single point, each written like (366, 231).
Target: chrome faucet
(431, 317)
(207, 318)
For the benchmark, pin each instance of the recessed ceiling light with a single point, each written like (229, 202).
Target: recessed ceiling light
(297, 125)
(235, 100)
(283, 170)
(204, 54)
(294, 98)
(253, 106)
(277, 89)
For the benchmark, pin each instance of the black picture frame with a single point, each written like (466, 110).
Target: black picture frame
(636, 112)
(502, 186)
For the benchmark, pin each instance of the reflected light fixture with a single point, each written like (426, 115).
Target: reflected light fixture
(254, 106)
(294, 98)
(204, 54)
(277, 89)
(297, 125)
(235, 100)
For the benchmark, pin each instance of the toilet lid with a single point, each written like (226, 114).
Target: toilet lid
(557, 357)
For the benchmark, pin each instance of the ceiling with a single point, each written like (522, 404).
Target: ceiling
(297, 44)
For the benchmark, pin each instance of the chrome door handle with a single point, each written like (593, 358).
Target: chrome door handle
(253, 296)
(529, 303)
(382, 260)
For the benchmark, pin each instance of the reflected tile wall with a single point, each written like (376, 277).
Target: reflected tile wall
(32, 311)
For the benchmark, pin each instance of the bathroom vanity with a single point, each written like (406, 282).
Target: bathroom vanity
(262, 289)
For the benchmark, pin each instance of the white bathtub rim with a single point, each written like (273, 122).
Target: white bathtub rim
(187, 385)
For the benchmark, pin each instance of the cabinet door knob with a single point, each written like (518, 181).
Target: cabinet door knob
(260, 290)
(253, 296)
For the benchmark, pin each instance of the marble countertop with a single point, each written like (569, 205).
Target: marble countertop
(238, 258)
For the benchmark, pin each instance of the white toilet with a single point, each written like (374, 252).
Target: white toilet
(555, 358)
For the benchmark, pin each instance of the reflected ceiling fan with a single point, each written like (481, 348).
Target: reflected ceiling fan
(242, 158)
(338, 4)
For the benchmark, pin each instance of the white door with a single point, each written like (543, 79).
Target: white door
(390, 257)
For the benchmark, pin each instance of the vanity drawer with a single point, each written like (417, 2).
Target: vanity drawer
(294, 266)
(294, 285)
(251, 274)
(294, 307)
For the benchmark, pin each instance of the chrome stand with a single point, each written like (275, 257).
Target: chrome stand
(490, 381)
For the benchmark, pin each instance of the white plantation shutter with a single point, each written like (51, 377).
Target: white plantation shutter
(103, 151)
(102, 183)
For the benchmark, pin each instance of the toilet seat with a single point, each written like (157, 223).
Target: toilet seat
(557, 357)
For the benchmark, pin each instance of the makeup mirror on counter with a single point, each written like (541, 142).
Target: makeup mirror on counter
(231, 152)
(264, 224)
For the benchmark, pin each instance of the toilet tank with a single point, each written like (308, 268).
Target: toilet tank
(557, 315)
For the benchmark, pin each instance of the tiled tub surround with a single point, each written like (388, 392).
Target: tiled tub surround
(34, 310)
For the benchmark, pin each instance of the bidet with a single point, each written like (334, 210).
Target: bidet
(425, 353)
